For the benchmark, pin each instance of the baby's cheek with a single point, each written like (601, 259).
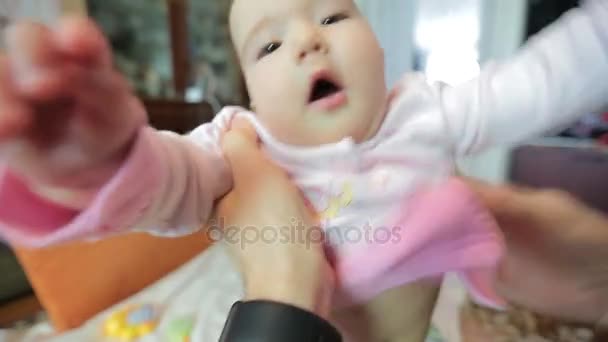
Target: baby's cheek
(279, 125)
(272, 94)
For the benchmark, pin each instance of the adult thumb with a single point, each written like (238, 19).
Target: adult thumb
(240, 146)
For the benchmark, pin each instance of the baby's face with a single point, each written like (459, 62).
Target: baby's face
(314, 69)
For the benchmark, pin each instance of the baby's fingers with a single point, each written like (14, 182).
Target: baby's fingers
(53, 84)
(81, 40)
(35, 59)
(44, 59)
(107, 105)
(31, 47)
(14, 114)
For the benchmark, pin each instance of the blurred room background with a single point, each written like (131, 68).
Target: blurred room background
(178, 57)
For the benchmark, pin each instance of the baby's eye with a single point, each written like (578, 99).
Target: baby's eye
(334, 19)
(268, 49)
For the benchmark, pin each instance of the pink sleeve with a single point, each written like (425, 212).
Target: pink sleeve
(167, 185)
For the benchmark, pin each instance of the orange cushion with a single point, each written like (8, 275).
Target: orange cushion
(76, 281)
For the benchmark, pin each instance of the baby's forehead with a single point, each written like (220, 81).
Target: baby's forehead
(244, 7)
(240, 9)
(245, 13)
(242, 12)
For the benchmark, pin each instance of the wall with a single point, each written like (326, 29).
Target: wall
(392, 20)
(502, 32)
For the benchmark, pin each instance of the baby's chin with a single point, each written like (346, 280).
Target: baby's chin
(324, 131)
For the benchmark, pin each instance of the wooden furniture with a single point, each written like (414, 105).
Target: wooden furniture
(22, 308)
(180, 54)
(177, 116)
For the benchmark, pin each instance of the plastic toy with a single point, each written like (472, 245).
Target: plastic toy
(131, 323)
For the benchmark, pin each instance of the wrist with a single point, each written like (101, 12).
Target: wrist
(74, 192)
(307, 300)
(312, 293)
(265, 320)
(77, 188)
(77, 199)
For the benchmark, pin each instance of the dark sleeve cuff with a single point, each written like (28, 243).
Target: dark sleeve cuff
(269, 321)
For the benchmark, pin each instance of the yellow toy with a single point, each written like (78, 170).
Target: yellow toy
(131, 323)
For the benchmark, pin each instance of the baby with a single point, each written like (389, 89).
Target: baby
(80, 162)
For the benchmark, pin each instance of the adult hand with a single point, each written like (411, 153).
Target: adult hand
(270, 231)
(557, 252)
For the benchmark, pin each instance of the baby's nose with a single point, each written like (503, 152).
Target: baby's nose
(313, 47)
(312, 42)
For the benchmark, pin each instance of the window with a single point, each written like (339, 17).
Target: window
(447, 40)
(175, 49)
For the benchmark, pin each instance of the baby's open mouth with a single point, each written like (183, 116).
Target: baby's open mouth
(326, 93)
(323, 88)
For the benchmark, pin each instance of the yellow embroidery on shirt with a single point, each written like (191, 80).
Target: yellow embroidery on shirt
(336, 203)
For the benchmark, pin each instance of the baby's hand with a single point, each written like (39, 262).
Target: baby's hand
(67, 119)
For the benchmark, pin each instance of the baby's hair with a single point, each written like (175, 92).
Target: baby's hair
(235, 56)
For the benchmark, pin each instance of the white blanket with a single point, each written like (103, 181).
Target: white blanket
(202, 291)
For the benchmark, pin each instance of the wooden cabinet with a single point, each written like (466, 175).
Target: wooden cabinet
(177, 116)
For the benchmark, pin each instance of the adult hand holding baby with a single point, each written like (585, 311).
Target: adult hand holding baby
(557, 252)
(263, 204)
(67, 118)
